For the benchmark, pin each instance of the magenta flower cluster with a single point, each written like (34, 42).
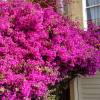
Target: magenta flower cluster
(38, 48)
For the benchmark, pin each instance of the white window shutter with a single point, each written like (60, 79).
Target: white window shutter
(89, 88)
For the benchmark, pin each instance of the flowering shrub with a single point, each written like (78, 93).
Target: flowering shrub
(45, 3)
(38, 48)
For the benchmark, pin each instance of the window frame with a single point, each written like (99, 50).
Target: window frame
(84, 14)
(85, 7)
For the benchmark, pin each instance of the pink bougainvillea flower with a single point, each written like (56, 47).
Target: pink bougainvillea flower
(39, 47)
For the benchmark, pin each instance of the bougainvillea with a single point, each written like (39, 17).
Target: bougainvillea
(38, 48)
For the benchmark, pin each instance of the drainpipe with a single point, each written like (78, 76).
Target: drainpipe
(60, 6)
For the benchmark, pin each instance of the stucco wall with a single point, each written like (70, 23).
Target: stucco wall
(74, 10)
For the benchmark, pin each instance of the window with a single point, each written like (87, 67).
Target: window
(92, 9)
